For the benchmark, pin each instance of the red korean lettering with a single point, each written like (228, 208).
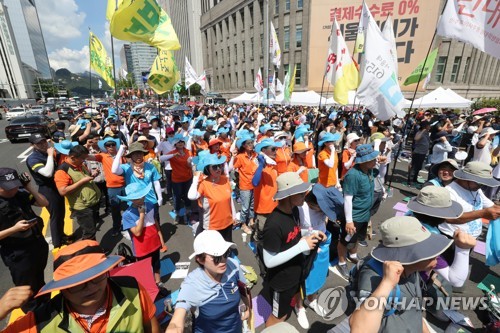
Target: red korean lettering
(465, 10)
(495, 13)
(348, 13)
(386, 9)
(357, 12)
(375, 10)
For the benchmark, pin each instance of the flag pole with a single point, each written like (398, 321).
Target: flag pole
(405, 128)
(114, 69)
(267, 59)
(90, 68)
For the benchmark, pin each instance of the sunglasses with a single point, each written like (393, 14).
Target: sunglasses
(110, 144)
(217, 167)
(218, 259)
(82, 286)
(272, 148)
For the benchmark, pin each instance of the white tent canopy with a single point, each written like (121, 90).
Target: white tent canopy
(441, 98)
(308, 98)
(243, 98)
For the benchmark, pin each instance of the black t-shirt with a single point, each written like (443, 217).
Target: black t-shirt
(35, 162)
(14, 209)
(282, 232)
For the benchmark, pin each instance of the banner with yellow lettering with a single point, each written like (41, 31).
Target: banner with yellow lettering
(144, 21)
(99, 60)
(164, 73)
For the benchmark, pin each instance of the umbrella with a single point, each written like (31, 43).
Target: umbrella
(484, 110)
(142, 272)
(180, 107)
(191, 103)
(102, 103)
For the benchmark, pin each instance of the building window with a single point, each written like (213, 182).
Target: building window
(298, 72)
(441, 67)
(235, 53)
(237, 84)
(455, 69)
(222, 58)
(286, 37)
(300, 4)
(250, 8)
(287, 5)
(243, 51)
(298, 35)
(277, 7)
(251, 47)
(223, 82)
(466, 70)
(493, 78)
(262, 42)
(244, 79)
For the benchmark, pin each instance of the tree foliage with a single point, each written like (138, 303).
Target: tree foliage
(486, 103)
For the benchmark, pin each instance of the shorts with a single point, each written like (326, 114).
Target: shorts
(260, 220)
(155, 259)
(360, 232)
(281, 301)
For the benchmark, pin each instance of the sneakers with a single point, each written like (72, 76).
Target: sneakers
(315, 306)
(363, 243)
(302, 317)
(246, 229)
(354, 259)
(344, 272)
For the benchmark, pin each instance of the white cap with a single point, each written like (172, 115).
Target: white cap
(210, 242)
(352, 137)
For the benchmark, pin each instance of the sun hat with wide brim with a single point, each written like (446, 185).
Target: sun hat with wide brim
(143, 138)
(329, 137)
(267, 143)
(365, 153)
(478, 172)
(351, 137)
(265, 128)
(223, 130)
(102, 143)
(300, 147)
(211, 242)
(281, 134)
(197, 132)
(178, 138)
(435, 201)
(290, 183)
(210, 159)
(197, 159)
(242, 140)
(78, 263)
(406, 240)
(65, 146)
(135, 147)
(330, 200)
(486, 131)
(135, 191)
(435, 168)
(214, 142)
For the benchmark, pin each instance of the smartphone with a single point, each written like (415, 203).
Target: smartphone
(32, 221)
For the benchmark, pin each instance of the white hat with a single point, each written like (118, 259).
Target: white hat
(210, 242)
(352, 137)
(487, 130)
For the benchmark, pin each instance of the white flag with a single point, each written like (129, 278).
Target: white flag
(275, 47)
(258, 82)
(279, 85)
(190, 76)
(388, 34)
(379, 90)
(202, 81)
(272, 86)
(365, 17)
(473, 22)
(100, 84)
(341, 70)
(123, 73)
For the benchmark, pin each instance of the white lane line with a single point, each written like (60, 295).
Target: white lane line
(24, 155)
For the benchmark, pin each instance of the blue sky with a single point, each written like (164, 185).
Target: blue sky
(65, 28)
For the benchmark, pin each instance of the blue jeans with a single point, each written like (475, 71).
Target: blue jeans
(180, 195)
(247, 204)
(115, 204)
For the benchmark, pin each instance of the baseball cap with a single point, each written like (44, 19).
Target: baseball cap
(36, 138)
(211, 242)
(9, 179)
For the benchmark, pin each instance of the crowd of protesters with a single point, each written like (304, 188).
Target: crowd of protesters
(292, 178)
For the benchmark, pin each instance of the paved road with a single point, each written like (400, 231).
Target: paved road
(179, 240)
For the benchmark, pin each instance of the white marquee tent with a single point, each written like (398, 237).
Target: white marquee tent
(441, 98)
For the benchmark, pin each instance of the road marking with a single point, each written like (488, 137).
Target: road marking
(24, 155)
(4, 140)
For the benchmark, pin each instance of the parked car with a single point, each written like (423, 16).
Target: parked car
(65, 113)
(16, 112)
(49, 107)
(22, 127)
(37, 109)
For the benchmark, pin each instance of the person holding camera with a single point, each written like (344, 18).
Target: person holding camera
(22, 246)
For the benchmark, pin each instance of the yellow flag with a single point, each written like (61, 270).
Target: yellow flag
(100, 61)
(292, 81)
(112, 6)
(144, 21)
(164, 72)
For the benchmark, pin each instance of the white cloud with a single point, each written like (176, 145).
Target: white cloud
(61, 21)
(117, 45)
(76, 61)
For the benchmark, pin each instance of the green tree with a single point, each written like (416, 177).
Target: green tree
(486, 103)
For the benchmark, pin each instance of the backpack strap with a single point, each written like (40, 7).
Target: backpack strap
(395, 295)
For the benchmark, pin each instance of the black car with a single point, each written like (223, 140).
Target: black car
(22, 127)
(65, 113)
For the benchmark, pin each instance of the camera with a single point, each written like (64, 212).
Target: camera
(24, 178)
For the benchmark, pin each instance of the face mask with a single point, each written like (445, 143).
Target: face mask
(344, 123)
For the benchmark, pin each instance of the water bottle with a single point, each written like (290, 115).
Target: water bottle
(390, 192)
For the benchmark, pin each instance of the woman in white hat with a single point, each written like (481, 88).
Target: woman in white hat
(349, 153)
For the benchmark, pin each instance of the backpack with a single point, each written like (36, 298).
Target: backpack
(125, 251)
(352, 288)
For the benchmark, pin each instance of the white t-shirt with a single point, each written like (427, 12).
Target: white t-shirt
(164, 148)
(466, 198)
(483, 154)
(311, 218)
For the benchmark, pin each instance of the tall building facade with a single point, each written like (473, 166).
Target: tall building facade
(185, 16)
(139, 58)
(234, 44)
(28, 35)
(12, 83)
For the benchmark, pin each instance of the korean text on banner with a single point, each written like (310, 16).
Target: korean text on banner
(341, 70)
(164, 72)
(144, 21)
(359, 45)
(190, 76)
(275, 47)
(474, 22)
(429, 64)
(100, 61)
(379, 89)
